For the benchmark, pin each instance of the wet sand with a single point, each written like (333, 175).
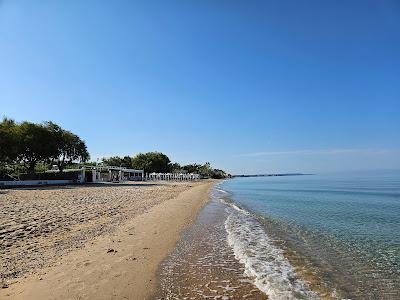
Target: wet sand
(92, 242)
(203, 265)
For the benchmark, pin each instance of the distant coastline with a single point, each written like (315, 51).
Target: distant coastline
(271, 175)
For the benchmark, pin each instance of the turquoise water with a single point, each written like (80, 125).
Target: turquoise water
(344, 228)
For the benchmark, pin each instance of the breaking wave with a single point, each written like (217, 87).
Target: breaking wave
(264, 262)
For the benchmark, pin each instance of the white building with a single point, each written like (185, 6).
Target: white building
(109, 174)
(172, 176)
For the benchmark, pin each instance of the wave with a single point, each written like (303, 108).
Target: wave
(264, 262)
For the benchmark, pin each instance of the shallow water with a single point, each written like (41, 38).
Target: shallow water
(304, 237)
(203, 266)
(213, 260)
(340, 232)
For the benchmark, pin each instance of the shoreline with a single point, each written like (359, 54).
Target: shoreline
(274, 230)
(219, 257)
(203, 265)
(122, 264)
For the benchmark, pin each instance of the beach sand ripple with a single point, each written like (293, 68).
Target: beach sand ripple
(38, 226)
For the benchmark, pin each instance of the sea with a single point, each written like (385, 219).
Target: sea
(321, 236)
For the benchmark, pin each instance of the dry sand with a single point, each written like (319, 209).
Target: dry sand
(92, 242)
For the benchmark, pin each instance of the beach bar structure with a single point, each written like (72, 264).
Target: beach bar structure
(172, 176)
(85, 174)
(110, 174)
(100, 173)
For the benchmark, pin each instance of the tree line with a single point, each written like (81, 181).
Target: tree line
(25, 145)
(160, 163)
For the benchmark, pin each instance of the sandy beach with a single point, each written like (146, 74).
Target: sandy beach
(92, 242)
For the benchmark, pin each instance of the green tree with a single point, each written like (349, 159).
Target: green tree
(35, 143)
(8, 141)
(192, 168)
(206, 170)
(117, 161)
(152, 162)
(219, 174)
(176, 168)
(126, 162)
(70, 147)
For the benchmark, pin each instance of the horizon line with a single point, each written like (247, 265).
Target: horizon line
(318, 152)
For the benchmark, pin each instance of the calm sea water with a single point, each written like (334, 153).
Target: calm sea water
(340, 232)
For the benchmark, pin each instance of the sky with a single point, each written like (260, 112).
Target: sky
(250, 86)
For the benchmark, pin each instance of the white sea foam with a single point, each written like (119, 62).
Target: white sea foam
(221, 191)
(234, 206)
(263, 261)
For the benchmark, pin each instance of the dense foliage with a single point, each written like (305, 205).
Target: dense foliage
(160, 163)
(29, 147)
(25, 145)
(152, 161)
(117, 161)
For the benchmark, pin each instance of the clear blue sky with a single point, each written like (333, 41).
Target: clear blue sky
(251, 86)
